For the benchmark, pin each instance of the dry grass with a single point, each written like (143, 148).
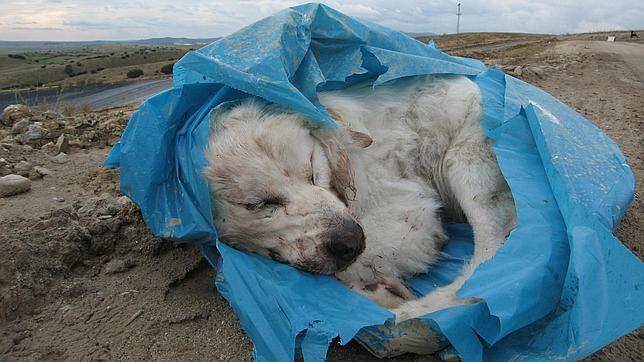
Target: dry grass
(85, 108)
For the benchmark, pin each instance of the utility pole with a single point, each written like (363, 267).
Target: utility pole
(458, 18)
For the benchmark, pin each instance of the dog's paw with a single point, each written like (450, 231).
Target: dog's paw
(398, 287)
(402, 314)
(379, 294)
(429, 304)
(389, 293)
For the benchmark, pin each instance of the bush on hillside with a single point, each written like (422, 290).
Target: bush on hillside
(167, 69)
(134, 73)
(69, 70)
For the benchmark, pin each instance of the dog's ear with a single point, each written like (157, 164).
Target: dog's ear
(359, 139)
(335, 143)
(342, 176)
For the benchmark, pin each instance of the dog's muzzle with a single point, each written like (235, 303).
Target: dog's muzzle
(345, 243)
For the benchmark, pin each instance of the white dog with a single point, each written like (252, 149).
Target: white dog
(364, 201)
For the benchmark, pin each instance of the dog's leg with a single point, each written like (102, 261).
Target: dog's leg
(476, 182)
(389, 292)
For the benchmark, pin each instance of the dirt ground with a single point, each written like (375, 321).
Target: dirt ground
(82, 278)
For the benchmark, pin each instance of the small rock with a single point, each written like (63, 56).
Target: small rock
(62, 144)
(11, 114)
(518, 71)
(42, 171)
(23, 166)
(70, 315)
(60, 158)
(77, 143)
(20, 126)
(118, 266)
(125, 201)
(538, 71)
(35, 132)
(19, 337)
(52, 114)
(33, 175)
(49, 148)
(4, 170)
(42, 225)
(13, 185)
(59, 199)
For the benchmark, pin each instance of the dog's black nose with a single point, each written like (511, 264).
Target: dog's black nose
(346, 241)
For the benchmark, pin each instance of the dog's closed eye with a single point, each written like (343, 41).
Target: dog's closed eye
(272, 201)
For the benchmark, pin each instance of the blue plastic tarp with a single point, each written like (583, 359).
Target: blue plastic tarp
(561, 287)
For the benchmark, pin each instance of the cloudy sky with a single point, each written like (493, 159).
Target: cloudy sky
(139, 19)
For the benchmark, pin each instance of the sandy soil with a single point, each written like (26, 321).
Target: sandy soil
(82, 278)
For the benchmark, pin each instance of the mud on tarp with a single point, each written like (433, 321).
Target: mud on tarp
(561, 287)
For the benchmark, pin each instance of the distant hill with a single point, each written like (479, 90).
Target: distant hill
(418, 35)
(167, 41)
(173, 41)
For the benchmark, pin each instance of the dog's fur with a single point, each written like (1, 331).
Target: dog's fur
(364, 201)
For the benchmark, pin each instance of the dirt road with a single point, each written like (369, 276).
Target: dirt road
(95, 97)
(82, 278)
(124, 94)
(632, 54)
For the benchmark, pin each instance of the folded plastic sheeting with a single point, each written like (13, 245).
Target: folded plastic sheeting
(561, 287)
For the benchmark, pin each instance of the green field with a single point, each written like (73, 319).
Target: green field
(82, 65)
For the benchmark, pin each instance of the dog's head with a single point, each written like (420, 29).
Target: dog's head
(283, 190)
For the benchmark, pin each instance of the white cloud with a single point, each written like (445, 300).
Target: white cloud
(118, 19)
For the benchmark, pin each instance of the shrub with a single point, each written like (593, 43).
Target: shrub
(86, 108)
(69, 70)
(167, 69)
(135, 73)
(68, 109)
(16, 56)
